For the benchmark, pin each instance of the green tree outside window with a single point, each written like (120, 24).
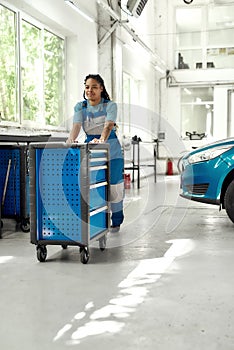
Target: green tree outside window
(31, 72)
(8, 60)
(53, 79)
(37, 93)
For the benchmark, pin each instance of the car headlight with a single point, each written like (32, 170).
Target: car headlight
(206, 155)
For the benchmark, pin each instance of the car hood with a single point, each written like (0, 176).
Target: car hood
(220, 143)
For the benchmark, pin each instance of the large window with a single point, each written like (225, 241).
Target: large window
(188, 37)
(54, 75)
(32, 72)
(220, 42)
(130, 99)
(204, 37)
(197, 111)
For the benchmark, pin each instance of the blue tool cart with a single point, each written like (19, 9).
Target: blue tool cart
(69, 196)
(1, 224)
(14, 184)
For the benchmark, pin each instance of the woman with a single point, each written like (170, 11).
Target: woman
(97, 115)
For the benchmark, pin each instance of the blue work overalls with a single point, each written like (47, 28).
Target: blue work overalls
(93, 124)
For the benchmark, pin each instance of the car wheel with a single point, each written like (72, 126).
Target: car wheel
(229, 201)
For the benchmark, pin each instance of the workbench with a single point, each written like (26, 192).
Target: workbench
(136, 163)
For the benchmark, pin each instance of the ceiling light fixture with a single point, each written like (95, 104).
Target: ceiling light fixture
(159, 69)
(188, 92)
(76, 8)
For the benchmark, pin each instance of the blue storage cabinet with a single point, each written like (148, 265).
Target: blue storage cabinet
(69, 196)
(14, 184)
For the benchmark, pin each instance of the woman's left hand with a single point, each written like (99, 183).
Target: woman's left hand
(97, 141)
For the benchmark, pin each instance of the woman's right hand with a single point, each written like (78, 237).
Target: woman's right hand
(74, 133)
(70, 140)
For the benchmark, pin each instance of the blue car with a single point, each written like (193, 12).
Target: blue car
(207, 175)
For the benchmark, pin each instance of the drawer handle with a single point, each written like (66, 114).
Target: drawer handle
(100, 184)
(98, 167)
(97, 211)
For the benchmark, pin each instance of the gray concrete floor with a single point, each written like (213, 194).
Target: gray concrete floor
(164, 282)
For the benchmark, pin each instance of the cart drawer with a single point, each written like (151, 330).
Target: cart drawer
(98, 158)
(97, 162)
(98, 153)
(98, 195)
(98, 174)
(98, 221)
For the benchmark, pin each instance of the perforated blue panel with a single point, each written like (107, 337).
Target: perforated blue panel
(59, 195)
(12, 198)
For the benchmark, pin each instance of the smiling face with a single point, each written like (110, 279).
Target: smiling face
(93, 90)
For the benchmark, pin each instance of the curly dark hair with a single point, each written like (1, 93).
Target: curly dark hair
(99, 79)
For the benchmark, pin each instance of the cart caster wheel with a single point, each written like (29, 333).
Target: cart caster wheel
(41, 253)
(25, 225)
(64, 246)
(84, 255)
(102, 243)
